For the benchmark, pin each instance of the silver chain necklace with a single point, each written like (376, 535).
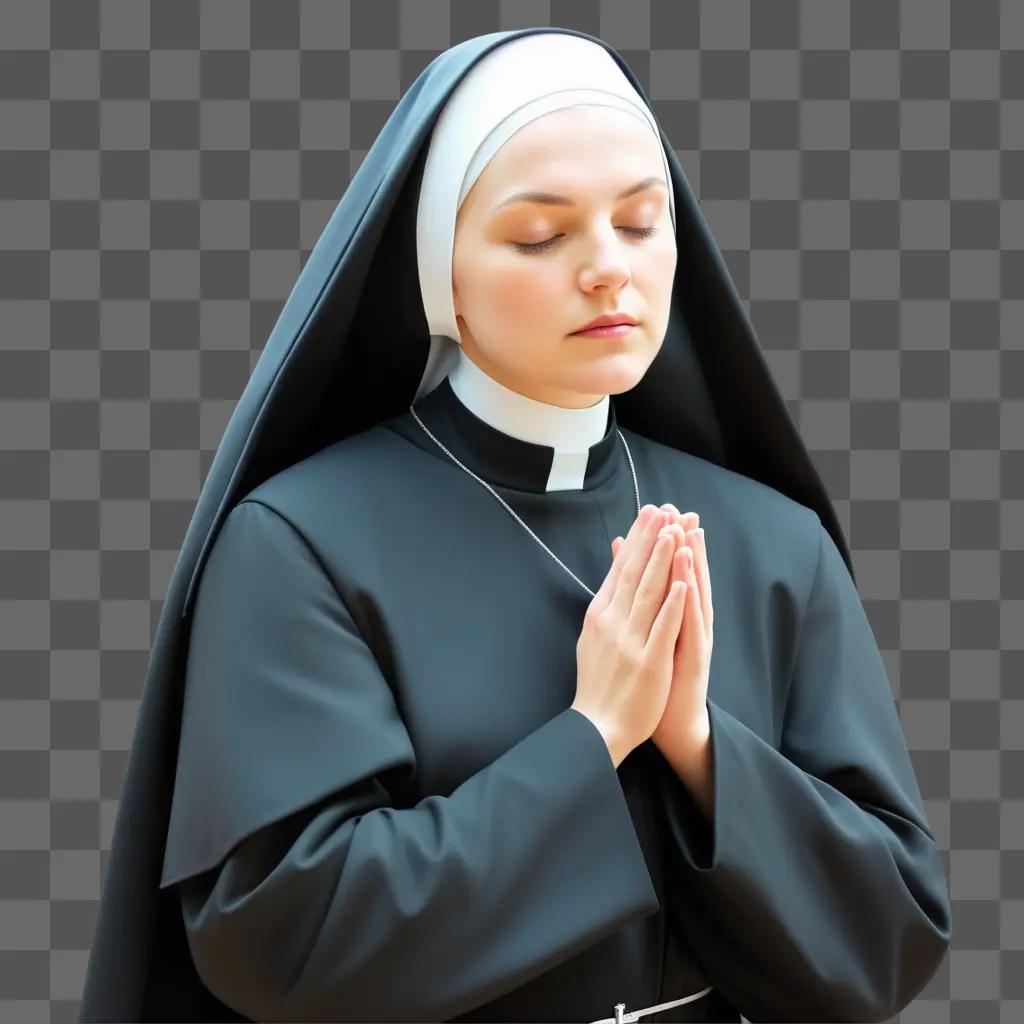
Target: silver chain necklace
(632, 469)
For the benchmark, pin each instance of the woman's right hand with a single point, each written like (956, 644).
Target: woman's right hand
(624, 655)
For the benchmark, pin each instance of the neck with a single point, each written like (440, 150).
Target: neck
(511, 440)
(571, 432)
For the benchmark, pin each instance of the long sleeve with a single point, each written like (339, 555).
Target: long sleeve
(817, 891)
(320, 899)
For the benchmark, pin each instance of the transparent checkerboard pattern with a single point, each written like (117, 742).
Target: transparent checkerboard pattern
(166, 168)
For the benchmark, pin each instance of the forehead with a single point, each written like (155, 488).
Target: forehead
(580, 131)
(571, 151)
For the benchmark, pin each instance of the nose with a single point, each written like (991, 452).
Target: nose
(608, 265)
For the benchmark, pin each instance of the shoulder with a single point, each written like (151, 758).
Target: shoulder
(728, 491)
(765, 524)
(342, 477)
(341, 498)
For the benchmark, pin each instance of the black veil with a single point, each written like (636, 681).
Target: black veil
(347, 351)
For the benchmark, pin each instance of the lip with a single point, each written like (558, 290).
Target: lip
(610, 331)
(607, 320)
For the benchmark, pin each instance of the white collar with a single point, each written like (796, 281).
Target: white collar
(570, 432)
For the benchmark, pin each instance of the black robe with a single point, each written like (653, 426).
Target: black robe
(386, 809)
(426, 647)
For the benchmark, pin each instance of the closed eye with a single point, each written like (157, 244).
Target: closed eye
(529, 247)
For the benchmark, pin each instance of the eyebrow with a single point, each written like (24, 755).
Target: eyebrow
(551, 199)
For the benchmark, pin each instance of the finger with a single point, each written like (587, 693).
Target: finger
(695, 612)
(619, 541)
(644, 572)
(665, 631)
(690, 633)
(693, 518)
(604, 595)
(698, 570)
(704, 579)
(688, 538)
(636, 553)
(677, 572)
(607, 588)
(674, 527)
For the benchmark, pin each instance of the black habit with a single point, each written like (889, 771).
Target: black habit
(357, 790)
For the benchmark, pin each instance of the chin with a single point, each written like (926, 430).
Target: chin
(613, 374)
(623, 369)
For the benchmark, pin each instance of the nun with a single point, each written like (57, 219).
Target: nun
(513, 667)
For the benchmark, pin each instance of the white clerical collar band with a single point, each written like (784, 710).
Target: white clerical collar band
(570, 432)
(498, 458)
(621, 1017)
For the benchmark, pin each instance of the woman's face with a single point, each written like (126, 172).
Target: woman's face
(517, 309)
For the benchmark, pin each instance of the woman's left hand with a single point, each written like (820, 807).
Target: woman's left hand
(686, 713)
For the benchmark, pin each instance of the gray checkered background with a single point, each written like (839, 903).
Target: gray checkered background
(166, 168)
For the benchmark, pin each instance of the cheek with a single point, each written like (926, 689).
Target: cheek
(655, 272)
(522, 292)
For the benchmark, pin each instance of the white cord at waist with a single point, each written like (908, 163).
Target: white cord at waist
(628, 1018)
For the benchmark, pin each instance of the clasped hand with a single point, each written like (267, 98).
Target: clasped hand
(686, 715)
